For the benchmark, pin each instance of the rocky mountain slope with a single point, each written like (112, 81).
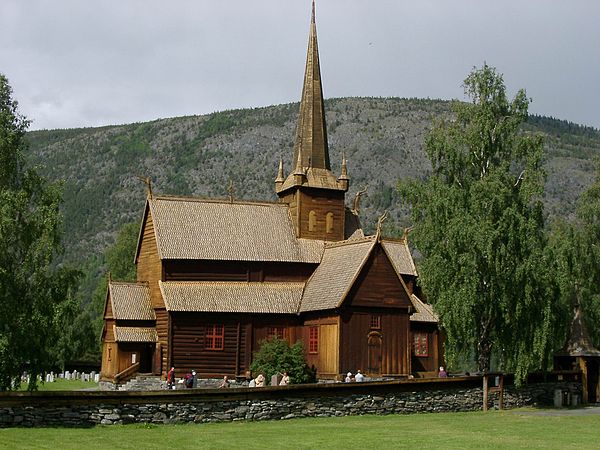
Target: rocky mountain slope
(382, 139)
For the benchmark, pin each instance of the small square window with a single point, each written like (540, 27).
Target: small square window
(375, 322)
(313, 340)
(215, 337)
(420, 344)
(276, 332)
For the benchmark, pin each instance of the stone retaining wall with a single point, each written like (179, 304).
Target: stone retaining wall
(262, 403)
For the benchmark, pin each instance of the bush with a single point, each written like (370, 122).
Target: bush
(277, 356)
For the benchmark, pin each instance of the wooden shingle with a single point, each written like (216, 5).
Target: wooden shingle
(331, 281)
(234, 297)
(135, 334)
(131, 301)
(424, 312)
(197, 229)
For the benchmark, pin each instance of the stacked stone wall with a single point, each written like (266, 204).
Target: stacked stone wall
(89, 409)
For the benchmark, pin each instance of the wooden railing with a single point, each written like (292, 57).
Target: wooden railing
(127, 373)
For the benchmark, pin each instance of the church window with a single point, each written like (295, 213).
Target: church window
(215, 337)
(276, 332)
(312, 221)
(375, 322)
(420, 344)
(329, 222)
(313, 340)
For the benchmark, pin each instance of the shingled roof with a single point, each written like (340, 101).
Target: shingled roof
(188, 228)
(331, 281)
(399, 254)
(135, 334)
(234, 297)
(131, 301)
(424, 311)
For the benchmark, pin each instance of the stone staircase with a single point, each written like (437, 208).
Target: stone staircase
(144, 383)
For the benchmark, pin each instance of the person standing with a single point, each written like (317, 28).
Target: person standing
(224, 383)
(171, 378)
(359, 377)
(285, 379)
(260, 380)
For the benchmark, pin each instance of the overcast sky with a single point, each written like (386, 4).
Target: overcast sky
(76, 63)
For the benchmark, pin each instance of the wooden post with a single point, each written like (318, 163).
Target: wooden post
(485, 392)
(501, 393)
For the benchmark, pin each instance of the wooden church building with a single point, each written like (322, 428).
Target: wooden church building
(215, 278)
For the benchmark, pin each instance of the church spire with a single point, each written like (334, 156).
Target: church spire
(311, 131)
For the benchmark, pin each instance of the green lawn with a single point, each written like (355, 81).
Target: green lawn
(62, 385)
(497, 430)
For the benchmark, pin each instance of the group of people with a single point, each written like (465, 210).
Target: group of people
(189, 381)
(359, 377)
(259, 381)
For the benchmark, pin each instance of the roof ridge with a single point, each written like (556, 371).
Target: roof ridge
(129, 283)
(238, 283)
(178, 198)
(399, 240)
(361, 240)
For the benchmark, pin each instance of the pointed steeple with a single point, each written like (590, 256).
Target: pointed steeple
(343, 178)
(280, 178)
(311, 131)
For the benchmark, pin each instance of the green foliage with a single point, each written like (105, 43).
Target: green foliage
(35, 296)
(479, 226)
(575, 249)
(277, 356)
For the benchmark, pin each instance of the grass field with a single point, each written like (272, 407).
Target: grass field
(63, 385)
(496, 429)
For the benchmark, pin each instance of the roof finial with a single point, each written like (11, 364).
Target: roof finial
(344, 174)
(231, 191)
(148, 182)
(357, 196)
(312, 18)
(280, 178)
(380, 221)
(298, 169)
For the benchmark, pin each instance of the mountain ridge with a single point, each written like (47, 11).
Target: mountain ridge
(382, 139)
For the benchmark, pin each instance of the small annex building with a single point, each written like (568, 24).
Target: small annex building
(215, 278)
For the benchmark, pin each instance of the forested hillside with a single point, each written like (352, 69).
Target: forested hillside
(199, 155)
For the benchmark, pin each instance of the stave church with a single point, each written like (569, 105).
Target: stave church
(216, 278)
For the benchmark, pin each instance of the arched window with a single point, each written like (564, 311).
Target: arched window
(329, 222)
(312, 221)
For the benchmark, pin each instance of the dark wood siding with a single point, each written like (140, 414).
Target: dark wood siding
(378, 285)
(432, 361)
(358, 339)
(189, 353)
(183, 270)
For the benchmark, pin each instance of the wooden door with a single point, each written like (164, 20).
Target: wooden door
(328, 349)
(374, 349)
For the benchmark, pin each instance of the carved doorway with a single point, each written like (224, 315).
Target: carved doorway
(374, 349)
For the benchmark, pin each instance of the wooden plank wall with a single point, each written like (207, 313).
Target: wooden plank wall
(189, 353)
(327, 359)
(378, 284)
(322, 201)
(181, 270)
(162, 330)
(354, 351)
(149, 267)
(432, 362)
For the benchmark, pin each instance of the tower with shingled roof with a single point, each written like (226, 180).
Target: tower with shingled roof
(315, 195)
